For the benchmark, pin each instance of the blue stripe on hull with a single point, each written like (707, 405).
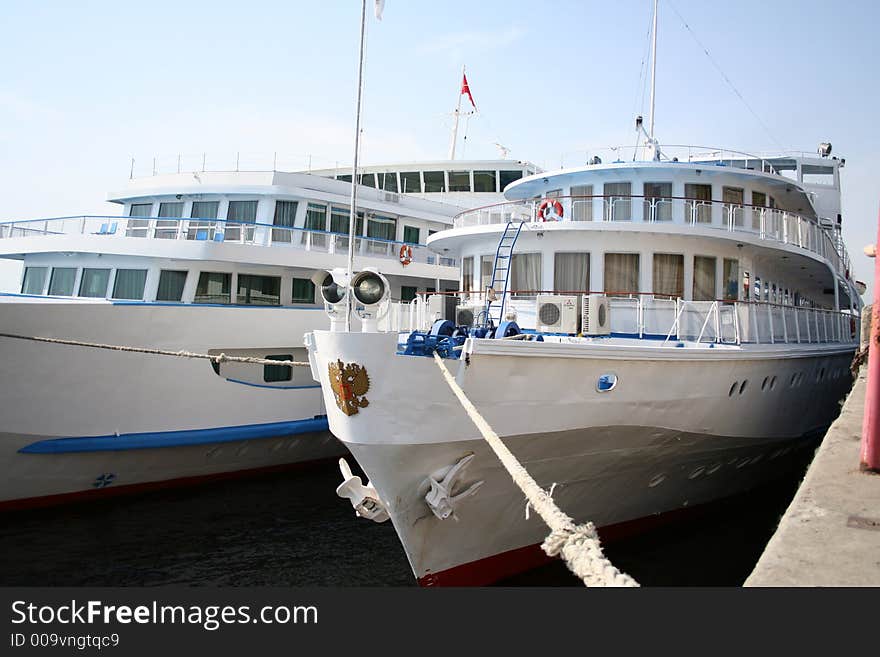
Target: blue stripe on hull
(185, 438)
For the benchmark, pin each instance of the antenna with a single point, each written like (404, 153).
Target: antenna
(503, 150)
(653, 72)
(455, 123)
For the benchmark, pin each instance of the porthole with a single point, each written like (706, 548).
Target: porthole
(606, 383)
(733, 388)
(742, 386)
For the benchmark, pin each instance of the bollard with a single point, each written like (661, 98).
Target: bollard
(870, 452)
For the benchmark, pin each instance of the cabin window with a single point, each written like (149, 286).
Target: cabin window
(704, 278)
(140, 209)
(621, 273)
(698, 206)
(171, 209)
(571, 272)
(467, 274)
(388, 181)
(368, 180)
(658, 201)
(303, 291)
(485, 181)
(525, 273)
(138, 227)
(486, 265)
(459, 181)
(167, 230)
(581, 208)
(213, 287)
(254, 290)
(814, 174)
(94, 283)
(383, 228)
(204, 209)
(61, 283)
(733, 198)
(316, 217)
(284, 218)
(731, 279)
(618, 204)
(507, 177)
(410, 182)
(340, 219)
(411, 234)
(435, 181)
(759, 199)
(408, 293)
(242, 211)
(276, 373)
(129, 284)
(171, 284)
(34, 280)
(669, 275)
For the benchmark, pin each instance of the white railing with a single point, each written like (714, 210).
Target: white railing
(155, 165)
(767, 224)
(216, 230)
(669, 153)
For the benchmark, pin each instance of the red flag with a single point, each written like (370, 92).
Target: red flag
(465, 89)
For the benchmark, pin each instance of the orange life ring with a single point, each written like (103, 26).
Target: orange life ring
(543, 210)
(405, 255)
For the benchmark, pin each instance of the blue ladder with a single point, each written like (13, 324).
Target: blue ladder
(501, 271)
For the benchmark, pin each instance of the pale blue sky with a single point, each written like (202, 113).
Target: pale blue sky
(85, 86)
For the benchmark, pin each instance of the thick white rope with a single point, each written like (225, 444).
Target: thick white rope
(578, 544)
(218, 358)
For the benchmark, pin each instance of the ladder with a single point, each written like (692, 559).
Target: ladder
(501, 272)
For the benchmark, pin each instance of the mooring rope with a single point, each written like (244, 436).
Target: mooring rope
(578, 544)
(218, 358)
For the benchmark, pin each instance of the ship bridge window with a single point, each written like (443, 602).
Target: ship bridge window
(621, 273)
(410, 182)
(581, 208)
(525, 273)
(485, 181)
(303, 291)
(388, 181)
(459, 181)
(507, 177)
(367, 179)
(704, 278)
(669, 275)
(213, 287)
(346, 177)
(618, 204)
(817, 175)
(256, 290)
(94, 283)
(171, 284)
(140, 209)
(571, 272)
(435, 181)
(129, 284)
(731, 279)
(658, 201)
(34, 280)
(698, 206)
(61, 283)
(467, 274)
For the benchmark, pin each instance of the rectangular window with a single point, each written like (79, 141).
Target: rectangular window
(485, 181)
(129, 284)
(411, 234)
(204, 209)
(731, 279)
(618, 204)
(759, 200)
(507, 177)
(581, 208)
(698, 206)
(733, 198)
(704, 278)
(285, 216)
(345, 177)
(340, 218)
(303, 291)
(368, 179)
(213, 287)
(459, 181)
(408, 293)
(525, 273)
(571, 272)
(256, 290)
(410, 182)
(486, 264)
(434, 181)
(658, 201)
(383, 228)
(34, 280)
(138, 227)
(171, 284)
(242, 211)
(388, 181)
(94, 283)
(171, 209)
(621, 273)
(467, 274)
(61, 283)
(316, 217)
(168, 229)
(669, 275)
(140, 209)
(275, 373)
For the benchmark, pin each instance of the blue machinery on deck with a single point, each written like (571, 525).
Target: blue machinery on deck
(446, 339)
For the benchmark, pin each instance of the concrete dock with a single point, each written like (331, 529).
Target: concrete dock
(830, 533)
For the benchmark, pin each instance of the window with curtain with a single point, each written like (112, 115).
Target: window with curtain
(410, 182)
(303, 291)
(171, 209)
(61, 282)
(408, 293)
(621, 273)
(411, 234)
(316, 217)
(658, 195)
(171, 284)
(618, 204)
(704, 278)
(525, 272)
(759, 200)
(340, 219)
(485, 181)
(254, 290)
(129, 284)
(138, 227)
(204, 209)
(669, 275)
(140, 209)
(384, 228)
(434, 181)
(731, 279)
(698, 206)
(34, 280)
(213, 287)
(581, 208)
(285, 216)
(467, 274)
(571, 272)
(459, 181)
(486, 265)
(242, 211)
(733, 197)
(94, 283)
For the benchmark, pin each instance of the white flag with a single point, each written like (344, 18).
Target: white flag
(380, 5)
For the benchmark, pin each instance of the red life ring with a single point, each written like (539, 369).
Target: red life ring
(544, 210)
(405, 255)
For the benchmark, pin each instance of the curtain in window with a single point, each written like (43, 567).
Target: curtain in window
(571, 272)
(733, 196)
(129, 284)
(382, 227)
(204, 209)
(698, 207)
(486, 264)
(61, 283)
(525, 272)
(171, 285)
(658, 200)
(581, 208)
(759, 199)
(285, 213)
(467, 274)
(94, 283)
(618, 205)
(140, 210)
(669, 275)
(621, 273)
(242, 211)
(731, 279)
(704, 278)
(411, 234)
(171, 209)
(34, 280)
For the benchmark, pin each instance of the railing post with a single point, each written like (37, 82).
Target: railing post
(770, 319)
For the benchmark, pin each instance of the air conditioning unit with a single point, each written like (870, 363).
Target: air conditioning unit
(596, 316)
(556, 314)
(467, 315)
(436, 307)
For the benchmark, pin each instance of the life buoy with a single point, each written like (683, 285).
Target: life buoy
(405, 255)
(544, 210)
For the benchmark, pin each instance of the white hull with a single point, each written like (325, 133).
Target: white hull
(667, 437)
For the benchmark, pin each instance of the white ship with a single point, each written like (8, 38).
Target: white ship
(210, 261)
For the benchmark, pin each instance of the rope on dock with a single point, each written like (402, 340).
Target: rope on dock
(578, 544)
(218, 358)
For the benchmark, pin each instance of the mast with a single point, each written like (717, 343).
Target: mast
(653, 72)
(455, 123)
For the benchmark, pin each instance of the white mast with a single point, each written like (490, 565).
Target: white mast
(652, 149)
(455, 123)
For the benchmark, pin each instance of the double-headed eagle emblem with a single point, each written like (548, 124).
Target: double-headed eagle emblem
(349, 384)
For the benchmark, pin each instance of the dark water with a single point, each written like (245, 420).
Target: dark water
(290, 529)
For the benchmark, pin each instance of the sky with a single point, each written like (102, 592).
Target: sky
(86, 86)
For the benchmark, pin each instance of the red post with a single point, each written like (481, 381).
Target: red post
(870, 453)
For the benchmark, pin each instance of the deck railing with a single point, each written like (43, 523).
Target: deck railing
(219, 231)
(767, 224)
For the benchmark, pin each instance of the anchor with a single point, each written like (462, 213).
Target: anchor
(364, 499)
(440, 499)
